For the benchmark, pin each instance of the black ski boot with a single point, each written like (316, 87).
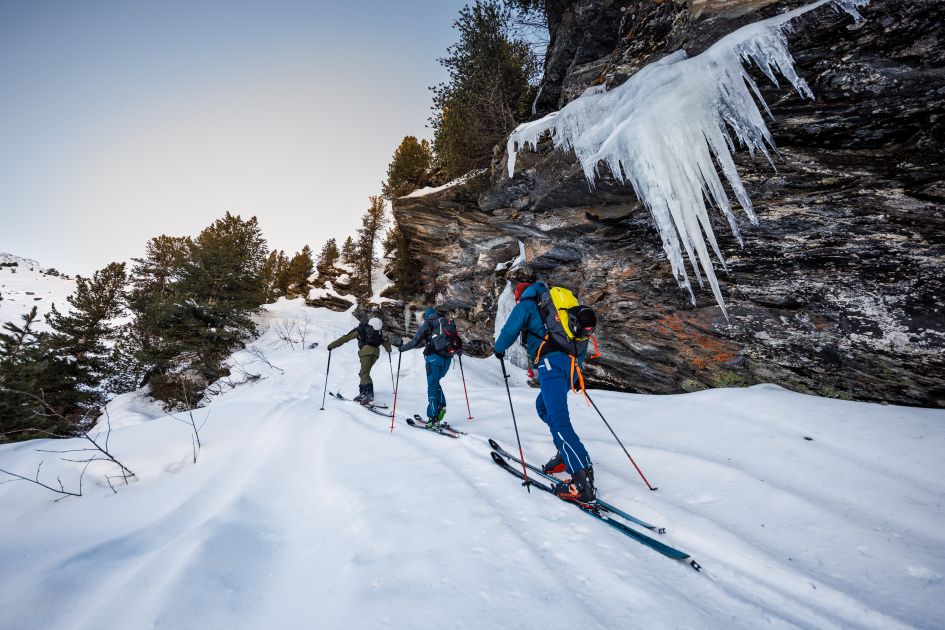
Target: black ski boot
(554, 465)
(361, 393)
(367, 398)
(580, 488)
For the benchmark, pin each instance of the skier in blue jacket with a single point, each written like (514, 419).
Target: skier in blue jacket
(437, 366)
(554, 377)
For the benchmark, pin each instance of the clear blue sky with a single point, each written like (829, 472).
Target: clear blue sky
(125, 119)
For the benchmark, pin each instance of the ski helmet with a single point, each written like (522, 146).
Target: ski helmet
(375, 323)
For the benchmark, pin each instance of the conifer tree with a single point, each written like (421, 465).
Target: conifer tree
(301, 266)
(23, 381)
(372, 223)
(154, 299)
(193, 300)
(489, 90)
(77, 349)
(328, 256)
(349, 253)
(267, 276)
(220, 280)
(410, 164)
(403, 268)
(281, 278)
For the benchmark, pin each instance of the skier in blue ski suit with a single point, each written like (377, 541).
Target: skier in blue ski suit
(554, 377)
(437, 366)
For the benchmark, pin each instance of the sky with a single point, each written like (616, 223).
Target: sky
(123, 120)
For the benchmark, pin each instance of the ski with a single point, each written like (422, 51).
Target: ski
(599, 503)
(372, 408)
(652, 543)
(443, 424)
(422, 426)
(340, 397)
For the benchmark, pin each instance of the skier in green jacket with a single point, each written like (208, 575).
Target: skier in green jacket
(370, 339)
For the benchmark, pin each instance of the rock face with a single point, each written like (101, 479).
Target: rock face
(839, 291)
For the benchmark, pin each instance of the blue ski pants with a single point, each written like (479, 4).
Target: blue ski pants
(554, 375)
(437, 367)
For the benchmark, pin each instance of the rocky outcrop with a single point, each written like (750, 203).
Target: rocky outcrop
(838, 291)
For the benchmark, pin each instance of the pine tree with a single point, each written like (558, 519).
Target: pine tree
(328, 256)
(155, 300)
(23, 381)
(193, 300)
(301, 266)
(372, 223)
(221, 283)
(408, 168)
(77, 346)
(489, 90)
(403, 268)
(349, 253)
(267, 277)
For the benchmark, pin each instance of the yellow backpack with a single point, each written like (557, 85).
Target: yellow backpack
(569, 327)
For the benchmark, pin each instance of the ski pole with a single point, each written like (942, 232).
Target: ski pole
(391, 362)
(396, 386)
(527, 483)
(465, 391)
(327, 371)
(620, 443)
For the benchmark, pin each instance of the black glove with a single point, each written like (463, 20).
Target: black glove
(499, 355)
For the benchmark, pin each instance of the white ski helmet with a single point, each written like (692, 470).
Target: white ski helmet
(375, 323)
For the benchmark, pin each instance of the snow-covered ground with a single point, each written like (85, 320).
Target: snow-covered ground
(803, 511)
(29, 286)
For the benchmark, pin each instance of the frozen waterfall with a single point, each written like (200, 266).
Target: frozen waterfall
(665, 129)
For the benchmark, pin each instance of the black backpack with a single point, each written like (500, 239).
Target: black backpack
(368, 336)
(443, 337)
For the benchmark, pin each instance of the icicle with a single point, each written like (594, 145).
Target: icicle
(670, 129)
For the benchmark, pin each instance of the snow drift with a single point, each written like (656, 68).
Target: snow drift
(803, 511)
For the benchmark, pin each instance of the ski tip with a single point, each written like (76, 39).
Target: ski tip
(494, 444)
(695, 565)
(498, 459)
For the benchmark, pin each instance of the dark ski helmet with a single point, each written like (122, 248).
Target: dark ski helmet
(582, 321)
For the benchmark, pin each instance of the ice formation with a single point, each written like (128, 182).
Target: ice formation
(516, 353)
(672, 127)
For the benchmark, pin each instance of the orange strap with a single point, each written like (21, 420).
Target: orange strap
(576, 367)
(538, 354)
(596, 350)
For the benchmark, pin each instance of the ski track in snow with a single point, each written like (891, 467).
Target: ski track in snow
(298, 518)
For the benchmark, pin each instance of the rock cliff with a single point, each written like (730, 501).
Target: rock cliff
(838, 291)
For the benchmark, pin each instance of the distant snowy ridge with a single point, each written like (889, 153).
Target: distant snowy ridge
(9, 259)
(662, 128)
(27, 285)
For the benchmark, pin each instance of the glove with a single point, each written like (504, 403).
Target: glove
(499, 355)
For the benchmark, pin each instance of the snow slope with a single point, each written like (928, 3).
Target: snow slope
(29, 286)
(294, 517)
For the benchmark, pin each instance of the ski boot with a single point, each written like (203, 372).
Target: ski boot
(360, 395)
(554, 465)
(367, 396)
(433, 423)
(578, 489)
(440, 422)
